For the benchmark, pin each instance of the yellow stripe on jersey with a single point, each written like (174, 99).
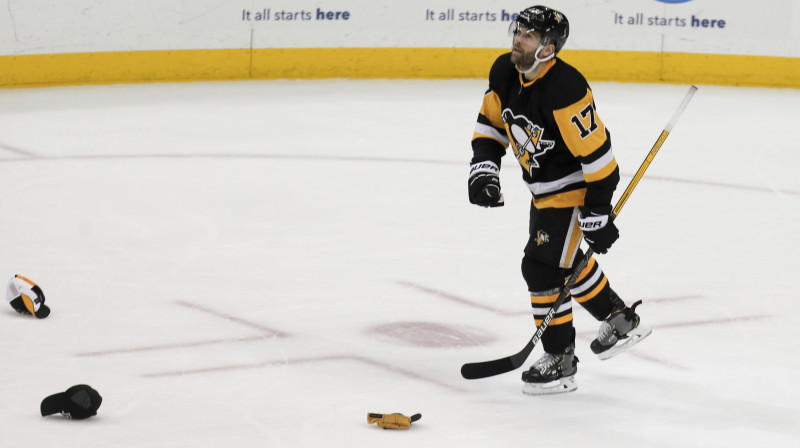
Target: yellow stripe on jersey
(602, 173)
(497, 137)
(580, 127)
(567, 199)
(493, 109)
(545, 68)
(600, 168)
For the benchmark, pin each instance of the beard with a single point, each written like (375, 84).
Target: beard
(523, 59)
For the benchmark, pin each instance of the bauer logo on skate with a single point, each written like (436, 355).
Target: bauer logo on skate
(527, 140)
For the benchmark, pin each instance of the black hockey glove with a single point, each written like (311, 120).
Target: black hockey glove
(484, 184)
(598, 228)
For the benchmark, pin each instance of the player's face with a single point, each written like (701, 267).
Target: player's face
(524, 46)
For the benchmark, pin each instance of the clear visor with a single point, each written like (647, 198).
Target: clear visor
(517, 27)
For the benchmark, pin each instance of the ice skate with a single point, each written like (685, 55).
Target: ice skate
(552, 374)
(620, 331)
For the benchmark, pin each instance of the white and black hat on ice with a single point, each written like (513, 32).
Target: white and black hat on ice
(26, 297)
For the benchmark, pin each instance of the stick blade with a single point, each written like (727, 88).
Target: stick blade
(478, 370)
(485, 369)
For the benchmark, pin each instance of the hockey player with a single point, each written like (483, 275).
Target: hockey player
(543, 109)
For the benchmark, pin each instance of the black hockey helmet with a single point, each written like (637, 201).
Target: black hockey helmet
(551, 24)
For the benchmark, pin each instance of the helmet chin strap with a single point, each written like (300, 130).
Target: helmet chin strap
(538, 60)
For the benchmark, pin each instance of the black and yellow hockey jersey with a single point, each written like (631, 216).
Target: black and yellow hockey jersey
(553, 128)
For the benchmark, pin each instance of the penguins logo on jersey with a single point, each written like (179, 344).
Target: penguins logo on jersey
(526, 139)
(542, 237)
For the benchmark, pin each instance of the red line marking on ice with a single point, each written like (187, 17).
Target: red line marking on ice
(723, 185)
(477, 305)
(180, 345)
(266, 333)
(16, 150)
(638, 354)
(656, 360)
(349, 358)
(238, 320)
(673, 299)
(459, 300)
(711, 321)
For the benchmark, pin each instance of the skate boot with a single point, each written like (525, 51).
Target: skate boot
(553, 373)
(620, 331)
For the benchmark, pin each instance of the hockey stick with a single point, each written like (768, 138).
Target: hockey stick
(486, 369)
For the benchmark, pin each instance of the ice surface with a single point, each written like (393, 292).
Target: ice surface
(260, 264)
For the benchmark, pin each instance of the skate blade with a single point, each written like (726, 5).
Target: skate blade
(634, 337)
(559, 386)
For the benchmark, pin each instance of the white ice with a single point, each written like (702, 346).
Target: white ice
(261, 264)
